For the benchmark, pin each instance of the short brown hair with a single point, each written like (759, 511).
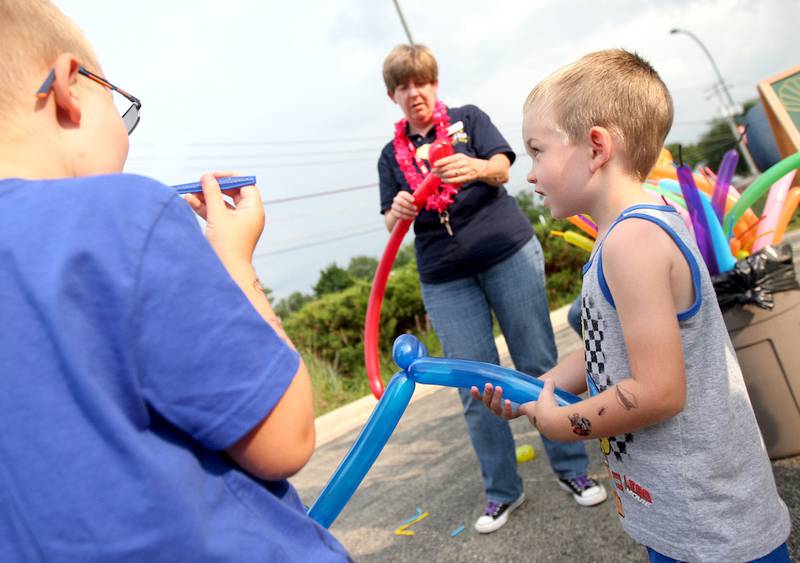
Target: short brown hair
(32, 35)
(615, 89)
(409, 62)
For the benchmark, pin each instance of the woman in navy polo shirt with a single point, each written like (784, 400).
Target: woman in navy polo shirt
(476, 254)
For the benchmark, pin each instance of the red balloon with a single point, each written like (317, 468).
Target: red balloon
(439, 149)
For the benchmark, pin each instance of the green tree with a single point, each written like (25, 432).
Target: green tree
(562, 261)
(362, 267)
(290, 305)
(712, 145)
(405, 256)
(534, 213)
(332, 279)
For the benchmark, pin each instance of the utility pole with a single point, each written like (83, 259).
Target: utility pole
(403, 21)
(728, 105)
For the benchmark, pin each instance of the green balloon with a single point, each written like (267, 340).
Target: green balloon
(672, 196)
(759, 188)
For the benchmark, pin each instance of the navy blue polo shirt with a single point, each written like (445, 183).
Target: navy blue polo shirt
(487, 224)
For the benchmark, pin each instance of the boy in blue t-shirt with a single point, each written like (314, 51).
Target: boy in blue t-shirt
(689, 471)
(151, 405)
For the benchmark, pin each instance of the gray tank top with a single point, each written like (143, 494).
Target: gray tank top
(698, 487)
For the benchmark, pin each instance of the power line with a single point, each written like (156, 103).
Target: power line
(318, 243)
(279, 154)
(319, 194)
(323, 234)
(251, 165)
(327, 210)
(286, 142)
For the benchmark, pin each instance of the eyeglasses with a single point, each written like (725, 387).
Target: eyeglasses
(130, 116)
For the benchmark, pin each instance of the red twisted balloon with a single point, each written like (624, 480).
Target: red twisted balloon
(439, 149)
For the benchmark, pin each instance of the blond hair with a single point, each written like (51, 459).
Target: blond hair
(32, 35)
(409, 62)
(614, 89)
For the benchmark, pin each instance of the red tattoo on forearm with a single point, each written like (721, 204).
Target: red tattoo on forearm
(581, 426)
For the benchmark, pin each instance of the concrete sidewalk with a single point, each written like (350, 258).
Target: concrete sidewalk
(429, 463)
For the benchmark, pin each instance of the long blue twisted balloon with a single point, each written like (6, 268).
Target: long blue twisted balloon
(410, 354)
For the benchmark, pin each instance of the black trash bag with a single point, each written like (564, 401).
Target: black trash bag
(756, 278)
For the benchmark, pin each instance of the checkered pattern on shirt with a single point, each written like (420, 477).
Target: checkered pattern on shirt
(592, 321)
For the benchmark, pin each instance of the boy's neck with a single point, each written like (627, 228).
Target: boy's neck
(20, 160)
(614, 197)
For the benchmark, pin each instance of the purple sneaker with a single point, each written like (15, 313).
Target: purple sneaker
(496, 515)
(585, 491)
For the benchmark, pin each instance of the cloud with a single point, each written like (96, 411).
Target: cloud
(300, 74)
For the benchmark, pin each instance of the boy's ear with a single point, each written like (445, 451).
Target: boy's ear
(600, 142)
(64, 88)
(391, 96)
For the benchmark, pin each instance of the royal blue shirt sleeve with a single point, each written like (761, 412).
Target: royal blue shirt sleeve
(485, 139)
(205, 359)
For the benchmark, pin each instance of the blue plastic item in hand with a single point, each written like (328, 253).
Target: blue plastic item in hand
(410, 355)
(228, 183)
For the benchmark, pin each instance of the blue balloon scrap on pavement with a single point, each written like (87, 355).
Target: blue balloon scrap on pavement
(411, 356)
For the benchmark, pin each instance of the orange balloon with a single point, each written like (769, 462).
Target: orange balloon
(583, 226)
(748, 240)
(792, 201)
(736, 246)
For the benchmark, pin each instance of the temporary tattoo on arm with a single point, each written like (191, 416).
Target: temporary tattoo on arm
(626, 399)
(580, 425)
(601, 412)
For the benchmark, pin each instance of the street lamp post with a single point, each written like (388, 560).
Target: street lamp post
(727, 101)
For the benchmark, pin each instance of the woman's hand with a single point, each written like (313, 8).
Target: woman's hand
(232, 230)
(460, 168)
(403, 206)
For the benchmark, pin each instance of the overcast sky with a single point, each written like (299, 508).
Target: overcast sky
(292, 92)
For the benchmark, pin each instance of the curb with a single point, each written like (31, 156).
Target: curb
(339, 422)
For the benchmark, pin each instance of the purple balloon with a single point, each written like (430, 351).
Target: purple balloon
(698, 216)
(724, 177)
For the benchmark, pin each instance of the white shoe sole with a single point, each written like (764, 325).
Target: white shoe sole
(591, 500)
(498, 523)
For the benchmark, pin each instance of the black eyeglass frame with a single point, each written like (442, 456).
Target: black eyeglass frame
(44, 90)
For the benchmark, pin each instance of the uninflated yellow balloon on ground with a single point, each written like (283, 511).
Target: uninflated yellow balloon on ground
(525, 453)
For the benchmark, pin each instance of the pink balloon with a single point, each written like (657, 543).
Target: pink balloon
(772, 211)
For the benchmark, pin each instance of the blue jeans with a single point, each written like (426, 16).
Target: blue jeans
(461, 313)
(574, 317)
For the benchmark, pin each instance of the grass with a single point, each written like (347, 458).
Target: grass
(332, 390)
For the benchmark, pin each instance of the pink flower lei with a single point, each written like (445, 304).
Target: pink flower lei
(441, 199)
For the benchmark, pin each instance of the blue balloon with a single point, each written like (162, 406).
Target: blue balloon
(406, 349)
(517, 387)
(719, 242)
(409, 353)
(364, 452)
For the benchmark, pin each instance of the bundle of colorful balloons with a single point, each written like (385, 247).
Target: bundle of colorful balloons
(720, 218)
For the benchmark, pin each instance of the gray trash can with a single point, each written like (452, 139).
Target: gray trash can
(767, 343)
